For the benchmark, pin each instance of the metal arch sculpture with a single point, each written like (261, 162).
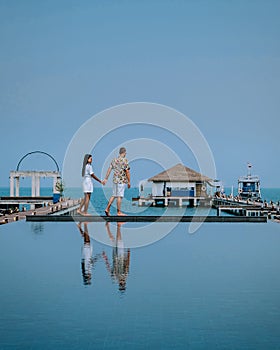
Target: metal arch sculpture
(47, 154)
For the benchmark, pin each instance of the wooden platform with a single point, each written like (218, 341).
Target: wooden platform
(26, 198)
(142, 218)
(44, 211)
(164, 201)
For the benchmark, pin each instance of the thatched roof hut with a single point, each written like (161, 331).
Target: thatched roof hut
(179, 173)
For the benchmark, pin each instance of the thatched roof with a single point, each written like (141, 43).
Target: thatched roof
(179, 173)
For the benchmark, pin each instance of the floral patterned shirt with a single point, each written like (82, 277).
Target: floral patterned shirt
(120, 165)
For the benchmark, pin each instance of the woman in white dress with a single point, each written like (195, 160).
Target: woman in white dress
(87, 174)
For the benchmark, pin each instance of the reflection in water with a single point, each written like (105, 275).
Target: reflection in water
(119, 268)
(37, 227)
(87, 261)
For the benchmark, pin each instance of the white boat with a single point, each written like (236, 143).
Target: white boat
(249, 186)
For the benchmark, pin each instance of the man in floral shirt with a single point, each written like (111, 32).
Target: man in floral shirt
(121, 177)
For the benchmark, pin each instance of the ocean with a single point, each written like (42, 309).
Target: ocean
(101, 195)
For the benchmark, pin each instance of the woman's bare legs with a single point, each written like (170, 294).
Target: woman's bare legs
(79, 210)
(87, 199)
(107, 210)
(84, 204)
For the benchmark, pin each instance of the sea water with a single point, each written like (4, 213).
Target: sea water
(217, 288)
(101, 195)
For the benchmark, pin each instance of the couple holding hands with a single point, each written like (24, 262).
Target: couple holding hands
(121, 177)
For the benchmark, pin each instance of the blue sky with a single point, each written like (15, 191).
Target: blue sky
(217, 62)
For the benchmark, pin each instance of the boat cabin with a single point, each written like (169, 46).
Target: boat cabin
(249, 186)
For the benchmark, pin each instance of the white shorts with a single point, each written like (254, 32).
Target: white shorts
(87, 185)
(118, 190)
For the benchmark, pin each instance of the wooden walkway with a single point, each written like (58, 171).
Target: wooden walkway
(65, 211)
(246, 208)
(218, 201)
(58, 208)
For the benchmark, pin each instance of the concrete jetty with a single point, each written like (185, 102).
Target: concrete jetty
(144, 218)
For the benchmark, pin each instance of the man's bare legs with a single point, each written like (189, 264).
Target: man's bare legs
(119, 203)
(107, 210)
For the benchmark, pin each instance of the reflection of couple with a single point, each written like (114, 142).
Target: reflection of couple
(119, 268)
(121, 177)
(120, 259)
(87, 261)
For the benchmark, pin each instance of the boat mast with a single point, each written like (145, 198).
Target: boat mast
(249, 166)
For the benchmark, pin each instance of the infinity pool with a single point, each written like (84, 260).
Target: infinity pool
(63, 288)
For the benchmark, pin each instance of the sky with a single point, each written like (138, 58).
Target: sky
(217, 62)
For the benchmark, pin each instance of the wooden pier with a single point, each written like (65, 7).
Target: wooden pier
(46, 210)
(66, 211)
(165, 201)
(241, 210)
(245, 208)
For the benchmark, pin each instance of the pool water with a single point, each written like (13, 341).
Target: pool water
(216, 289)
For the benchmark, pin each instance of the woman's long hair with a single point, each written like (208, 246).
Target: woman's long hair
(86, 158)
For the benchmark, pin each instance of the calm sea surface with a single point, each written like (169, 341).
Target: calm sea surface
(61, 288)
